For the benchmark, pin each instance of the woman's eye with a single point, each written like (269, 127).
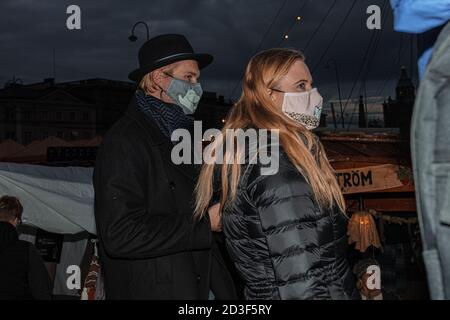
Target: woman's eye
(302, 86)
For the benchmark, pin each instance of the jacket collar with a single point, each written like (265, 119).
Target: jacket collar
(158, 139)
(147, 123)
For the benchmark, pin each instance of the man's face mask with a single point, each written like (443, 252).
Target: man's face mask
(185, 94)
(303, 107)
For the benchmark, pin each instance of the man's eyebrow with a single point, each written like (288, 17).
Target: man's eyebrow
(197, 74)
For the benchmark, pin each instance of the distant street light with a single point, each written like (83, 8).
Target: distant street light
(133, 37)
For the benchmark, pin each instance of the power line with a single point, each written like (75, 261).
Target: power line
(395, 62)
(376, 42)
(335, 35)
(266, 34)
(262, 40)
(373, 43)
(319, 26)
(377, 38)
(361, 67)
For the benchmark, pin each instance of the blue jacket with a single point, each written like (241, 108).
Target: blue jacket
(419, 16)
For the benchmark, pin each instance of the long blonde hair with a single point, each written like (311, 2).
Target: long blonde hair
(256, 109)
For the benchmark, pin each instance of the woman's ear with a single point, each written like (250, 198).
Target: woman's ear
(270, 93)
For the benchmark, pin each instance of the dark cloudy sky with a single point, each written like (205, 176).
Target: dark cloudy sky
(231, 30)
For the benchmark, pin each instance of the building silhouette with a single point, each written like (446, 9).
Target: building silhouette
(398, 112)
(78, 110)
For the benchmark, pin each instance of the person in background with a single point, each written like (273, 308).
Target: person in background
(430, 147)
(23, 275)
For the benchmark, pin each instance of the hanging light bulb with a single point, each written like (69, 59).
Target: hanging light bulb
(299, 18)
(286, 36)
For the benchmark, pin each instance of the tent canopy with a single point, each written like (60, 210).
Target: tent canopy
(56, 199)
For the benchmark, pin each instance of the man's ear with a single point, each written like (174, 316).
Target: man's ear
(160, 78)
(157, 76)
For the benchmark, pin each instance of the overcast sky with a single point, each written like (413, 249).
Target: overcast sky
(231, 30)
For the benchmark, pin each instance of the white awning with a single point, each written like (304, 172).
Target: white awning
(56, 199)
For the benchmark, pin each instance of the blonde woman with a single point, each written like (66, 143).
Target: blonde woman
(285, 232)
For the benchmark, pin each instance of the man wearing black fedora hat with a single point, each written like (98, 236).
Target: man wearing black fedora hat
(150, 245)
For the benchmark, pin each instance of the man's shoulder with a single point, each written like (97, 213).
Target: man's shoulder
(125, 125)
(126, 129)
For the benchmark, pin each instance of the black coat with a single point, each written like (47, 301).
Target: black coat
(150, 247)
(23, 275)
(283, 244)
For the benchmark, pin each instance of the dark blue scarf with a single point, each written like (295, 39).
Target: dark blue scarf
(167, 116)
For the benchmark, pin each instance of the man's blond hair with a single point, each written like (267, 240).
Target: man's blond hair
(148, 82)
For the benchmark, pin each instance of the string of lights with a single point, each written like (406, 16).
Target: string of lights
(297, 19)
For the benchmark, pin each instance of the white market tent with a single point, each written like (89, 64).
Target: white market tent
(56, 199)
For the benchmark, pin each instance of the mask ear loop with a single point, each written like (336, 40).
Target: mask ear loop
(162, 89)
(273, 89)
(170, 76)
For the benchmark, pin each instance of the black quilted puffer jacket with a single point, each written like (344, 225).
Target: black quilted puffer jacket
(283, 245)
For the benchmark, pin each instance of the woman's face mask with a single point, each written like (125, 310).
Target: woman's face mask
(185, 94)
(303, 107)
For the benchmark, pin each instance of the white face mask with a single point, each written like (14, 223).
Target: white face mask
(303, 107)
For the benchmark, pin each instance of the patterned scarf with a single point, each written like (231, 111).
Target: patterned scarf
(168, 117)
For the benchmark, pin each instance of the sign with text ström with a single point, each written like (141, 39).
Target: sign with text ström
(374, 178)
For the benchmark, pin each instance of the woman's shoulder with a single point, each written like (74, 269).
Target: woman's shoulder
(281, 177)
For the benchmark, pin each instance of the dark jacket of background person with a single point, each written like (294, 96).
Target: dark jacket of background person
(23, 275)
(283, 244)
(149, 246)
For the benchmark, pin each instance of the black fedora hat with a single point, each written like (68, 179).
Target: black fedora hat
(163, 50)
